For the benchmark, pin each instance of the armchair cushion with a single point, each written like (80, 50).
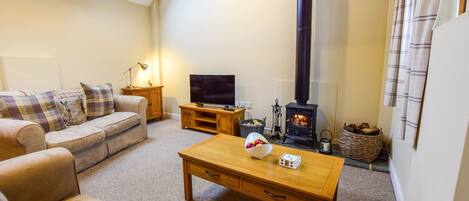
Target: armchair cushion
(39, 108)
(115, 123)
(75, 138)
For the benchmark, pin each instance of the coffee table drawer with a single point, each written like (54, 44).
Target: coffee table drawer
(216, 176)
(266, 192)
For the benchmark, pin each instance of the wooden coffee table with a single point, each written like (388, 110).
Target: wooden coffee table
(222, 160)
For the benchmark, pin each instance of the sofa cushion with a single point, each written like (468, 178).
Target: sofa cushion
(75, 138)
(11, 93)
(72, 111)
(99, 100)
(66, 94)
(33, 92)
(40, 108)
(3, 109)
(115, 123)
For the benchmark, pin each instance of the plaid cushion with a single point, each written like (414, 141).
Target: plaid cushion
(40, 109)
(99, 100)
(3, 109)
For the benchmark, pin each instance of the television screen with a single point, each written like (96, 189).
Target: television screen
(213, 89)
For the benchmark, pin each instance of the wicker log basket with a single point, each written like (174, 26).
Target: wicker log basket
(361, 147)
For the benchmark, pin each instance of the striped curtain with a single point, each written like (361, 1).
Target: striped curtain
(408, 61)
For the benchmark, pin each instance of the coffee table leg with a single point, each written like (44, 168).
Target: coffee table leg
(187, 180)
(335, 194)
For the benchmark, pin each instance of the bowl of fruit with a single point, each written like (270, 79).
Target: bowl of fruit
(257, 146)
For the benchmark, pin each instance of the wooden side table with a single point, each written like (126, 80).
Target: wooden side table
(154, 95)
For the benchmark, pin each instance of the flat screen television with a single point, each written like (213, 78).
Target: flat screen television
(213, 89)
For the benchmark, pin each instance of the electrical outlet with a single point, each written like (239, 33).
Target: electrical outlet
(241, 104)
(248, 104)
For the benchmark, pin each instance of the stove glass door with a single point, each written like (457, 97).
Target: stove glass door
(300, 120)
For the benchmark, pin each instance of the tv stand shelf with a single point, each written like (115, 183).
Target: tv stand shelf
(211, 119)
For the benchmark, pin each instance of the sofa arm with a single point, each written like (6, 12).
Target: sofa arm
(43, 175)
(19, 137)
(137, 104)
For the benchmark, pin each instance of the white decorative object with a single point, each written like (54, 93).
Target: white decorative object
(261, 150)
(290, 161)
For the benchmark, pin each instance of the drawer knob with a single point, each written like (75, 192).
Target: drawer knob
(275, 196)
(211, 174)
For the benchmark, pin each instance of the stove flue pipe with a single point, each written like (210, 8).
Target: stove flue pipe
(303, 51)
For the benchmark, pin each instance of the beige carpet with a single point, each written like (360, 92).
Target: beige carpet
(152, 170)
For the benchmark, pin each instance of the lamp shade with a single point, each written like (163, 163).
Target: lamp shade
(143, 66)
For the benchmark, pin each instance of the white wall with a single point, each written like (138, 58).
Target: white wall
(92, 41)
(255, 40)
(431, 171)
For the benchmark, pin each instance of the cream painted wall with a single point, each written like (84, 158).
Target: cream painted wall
(351, 41)
(431, 171)
(92, 41)
(246, 38)
(155, 41)
(385, 112)
(255, 40)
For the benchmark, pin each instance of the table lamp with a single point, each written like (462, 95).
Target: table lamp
(129, 71)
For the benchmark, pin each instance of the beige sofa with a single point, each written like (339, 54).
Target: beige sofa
(47, 175)
(89, 142)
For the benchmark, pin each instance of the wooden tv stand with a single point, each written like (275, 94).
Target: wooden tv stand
(211, 119)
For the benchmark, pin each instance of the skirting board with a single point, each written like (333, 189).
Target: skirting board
(395, 182)
(267, 129)
(172, 115)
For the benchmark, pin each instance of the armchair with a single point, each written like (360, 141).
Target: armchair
(47, 175)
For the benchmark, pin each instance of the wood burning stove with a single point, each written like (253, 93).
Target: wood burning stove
(300, 122)
(300, 116)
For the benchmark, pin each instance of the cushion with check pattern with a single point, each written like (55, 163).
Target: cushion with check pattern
(69, 94)
(99, 100)
(40, 108)
(70, 102)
